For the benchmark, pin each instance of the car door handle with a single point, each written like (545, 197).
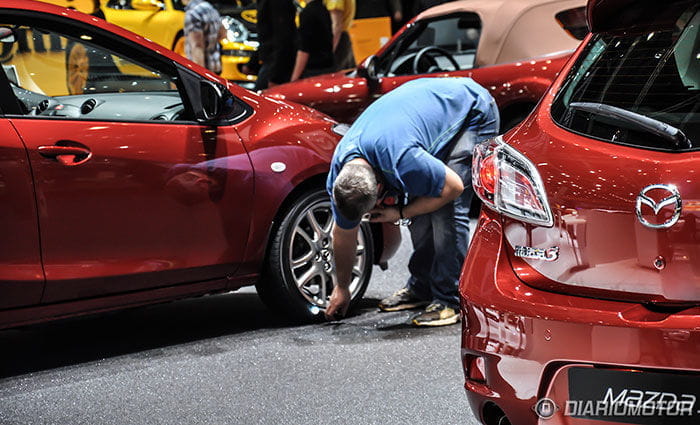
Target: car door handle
(65, 152)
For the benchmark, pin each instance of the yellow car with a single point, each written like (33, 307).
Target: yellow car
(162, 21)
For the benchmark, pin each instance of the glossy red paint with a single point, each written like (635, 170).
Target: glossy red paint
(300, 138)
(157, 210)
(602, 304)
(583, 231)
(20, 262)
(344, 97)
(529, 337)
(516, 85)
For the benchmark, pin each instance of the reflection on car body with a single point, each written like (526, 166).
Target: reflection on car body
(152, 179)
(500, 44)
(604, 171)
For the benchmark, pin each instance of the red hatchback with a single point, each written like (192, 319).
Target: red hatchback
(154, 180)
(581, 289)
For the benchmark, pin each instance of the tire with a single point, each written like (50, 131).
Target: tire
(298, 275)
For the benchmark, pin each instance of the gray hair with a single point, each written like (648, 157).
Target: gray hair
(355, 190)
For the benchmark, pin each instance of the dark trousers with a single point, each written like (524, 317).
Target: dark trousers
(441, 238)
(344, 57)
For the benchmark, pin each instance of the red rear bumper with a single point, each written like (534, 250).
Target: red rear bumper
(523, 341)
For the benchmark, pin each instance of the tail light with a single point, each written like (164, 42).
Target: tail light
(507, 182)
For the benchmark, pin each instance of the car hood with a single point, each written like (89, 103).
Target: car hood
(333, 93)
(288, 120)
(296, 89)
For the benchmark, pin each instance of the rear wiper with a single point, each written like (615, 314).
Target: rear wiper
(636, 120)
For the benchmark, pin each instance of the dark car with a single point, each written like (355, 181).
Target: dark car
(581, 289)
(159, 180)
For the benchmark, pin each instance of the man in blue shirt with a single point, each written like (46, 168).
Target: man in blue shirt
(413, 145)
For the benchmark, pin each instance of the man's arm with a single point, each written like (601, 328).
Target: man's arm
(337, 21)
(425, 204)
(396, 12)
(344, 252)
(197, 42)
(222, 33)
(300, 64)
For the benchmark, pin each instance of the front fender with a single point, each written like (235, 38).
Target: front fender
(293, 146)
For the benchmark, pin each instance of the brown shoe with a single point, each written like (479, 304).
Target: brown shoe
(436, 315)
(403, 299)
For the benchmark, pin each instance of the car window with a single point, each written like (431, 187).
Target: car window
(59, 76)
(457, 36)
(635, 76)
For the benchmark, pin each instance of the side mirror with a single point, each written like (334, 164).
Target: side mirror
(7, 35)
(367, 70)
(152, 5)
(211, 98)
(215, 102)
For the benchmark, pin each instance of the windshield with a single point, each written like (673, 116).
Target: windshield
(654, 74)
(456, 35)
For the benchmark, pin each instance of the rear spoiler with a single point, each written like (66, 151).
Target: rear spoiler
(635, 15)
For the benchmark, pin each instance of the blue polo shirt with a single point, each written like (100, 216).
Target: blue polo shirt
(403, 134)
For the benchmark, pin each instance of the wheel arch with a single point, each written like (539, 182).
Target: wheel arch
(179, 34)
(315, 182)
(286, 290)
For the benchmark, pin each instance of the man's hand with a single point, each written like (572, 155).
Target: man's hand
(344, 253)
(385, 215)
(339, 303)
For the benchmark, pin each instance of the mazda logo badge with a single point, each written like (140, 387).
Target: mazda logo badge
(671, 196)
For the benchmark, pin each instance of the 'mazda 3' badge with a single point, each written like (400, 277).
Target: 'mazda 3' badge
(544, 254)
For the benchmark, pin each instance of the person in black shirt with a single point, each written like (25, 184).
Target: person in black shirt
(96, 10)
(315, 53)
(427, 4)
(276, 33)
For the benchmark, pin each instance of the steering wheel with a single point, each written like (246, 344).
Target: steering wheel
(438, 52)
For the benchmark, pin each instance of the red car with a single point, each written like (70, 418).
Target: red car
(581, 289)
(482, 39)
(159, 181)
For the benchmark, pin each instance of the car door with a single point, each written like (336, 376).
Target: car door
(132, 193)
(21, 276)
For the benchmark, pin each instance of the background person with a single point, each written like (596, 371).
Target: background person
(97, 10)
(413, 144)
(277, 35)
(342, 13)
(379, 8)
(203, 31)
(315, 53)
(423, 5)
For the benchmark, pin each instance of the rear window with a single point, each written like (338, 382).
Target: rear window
(620, 81)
